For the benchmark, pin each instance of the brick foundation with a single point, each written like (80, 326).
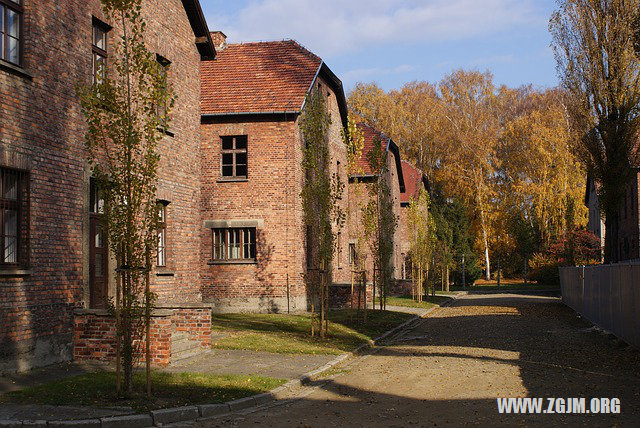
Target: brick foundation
(340, 296)
(401, 287)
(94, 334)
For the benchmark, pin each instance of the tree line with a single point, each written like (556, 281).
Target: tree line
(506, 181)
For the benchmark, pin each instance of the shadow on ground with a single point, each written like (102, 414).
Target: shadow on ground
(450, 369)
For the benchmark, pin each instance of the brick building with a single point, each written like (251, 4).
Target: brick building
(628, 217)
(358, 196)
(52, 267)
(414, 181)
(252, 234)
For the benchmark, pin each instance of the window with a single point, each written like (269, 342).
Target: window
(161, 257)
(353, 255)
(14, 218)
(11, 39)
(238, 243)
(234, 156)
(162, 108)
(99, 51)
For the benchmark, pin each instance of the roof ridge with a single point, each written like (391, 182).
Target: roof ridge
(294, 42)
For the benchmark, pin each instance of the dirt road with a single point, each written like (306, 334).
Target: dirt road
(449, 370)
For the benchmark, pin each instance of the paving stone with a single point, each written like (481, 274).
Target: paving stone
(82, 423)
(128, 421)
(207, 410)
(176, 414)
(34, 424)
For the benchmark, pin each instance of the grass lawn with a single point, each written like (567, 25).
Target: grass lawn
(169, 390)
(290, 334)
(428, 301)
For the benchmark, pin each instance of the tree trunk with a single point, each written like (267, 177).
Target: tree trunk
(487, 264)
(322, 297)
(147, 321)
(446, 282)
(611, 244)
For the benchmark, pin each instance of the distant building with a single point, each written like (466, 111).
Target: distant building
(629, 222)
(358, 194)
(414, 181)
(254, 246)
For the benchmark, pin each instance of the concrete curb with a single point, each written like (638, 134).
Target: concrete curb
(163, 417)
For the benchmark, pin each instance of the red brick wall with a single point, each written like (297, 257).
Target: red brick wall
(196, 322)
(270, 194)
(42, 130)
(358, 197)
(404, 240)
(340, 296)
(94, 334)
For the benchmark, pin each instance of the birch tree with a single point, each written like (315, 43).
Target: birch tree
(471, 133)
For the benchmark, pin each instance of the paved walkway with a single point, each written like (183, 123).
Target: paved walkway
(450, 368)
(284, 366)
(221, 361)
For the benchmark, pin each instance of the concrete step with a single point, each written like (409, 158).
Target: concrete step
(185, 355)
(182, 347)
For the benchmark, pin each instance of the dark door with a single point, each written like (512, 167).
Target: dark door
(98, 251)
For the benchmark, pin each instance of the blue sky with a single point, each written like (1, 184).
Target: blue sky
(396, 41)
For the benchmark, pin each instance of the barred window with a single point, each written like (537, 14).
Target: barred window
(234, 244)
(14, 218)
(11, 38)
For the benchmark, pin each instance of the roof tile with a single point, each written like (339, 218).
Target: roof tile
(258, 77)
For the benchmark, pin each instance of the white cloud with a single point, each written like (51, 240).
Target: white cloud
(337, 26)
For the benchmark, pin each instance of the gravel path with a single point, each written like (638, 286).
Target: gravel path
(450, 368)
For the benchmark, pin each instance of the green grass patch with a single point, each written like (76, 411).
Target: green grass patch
(169, 390)
(290, 334)
(446, 293)
(427, 302)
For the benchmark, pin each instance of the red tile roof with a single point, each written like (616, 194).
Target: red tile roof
(371, 135)
(413, 182)
(258, 78)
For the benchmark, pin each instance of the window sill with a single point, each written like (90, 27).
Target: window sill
(232, 180)
(165, 273)
(232, 262)
(167, 132)
(15, 69)
(15, 272)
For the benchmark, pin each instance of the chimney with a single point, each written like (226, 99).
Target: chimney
(219, 40)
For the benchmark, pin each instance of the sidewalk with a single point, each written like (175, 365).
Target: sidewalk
(218, 361)
(223, 361)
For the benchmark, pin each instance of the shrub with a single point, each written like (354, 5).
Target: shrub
(544, 269)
